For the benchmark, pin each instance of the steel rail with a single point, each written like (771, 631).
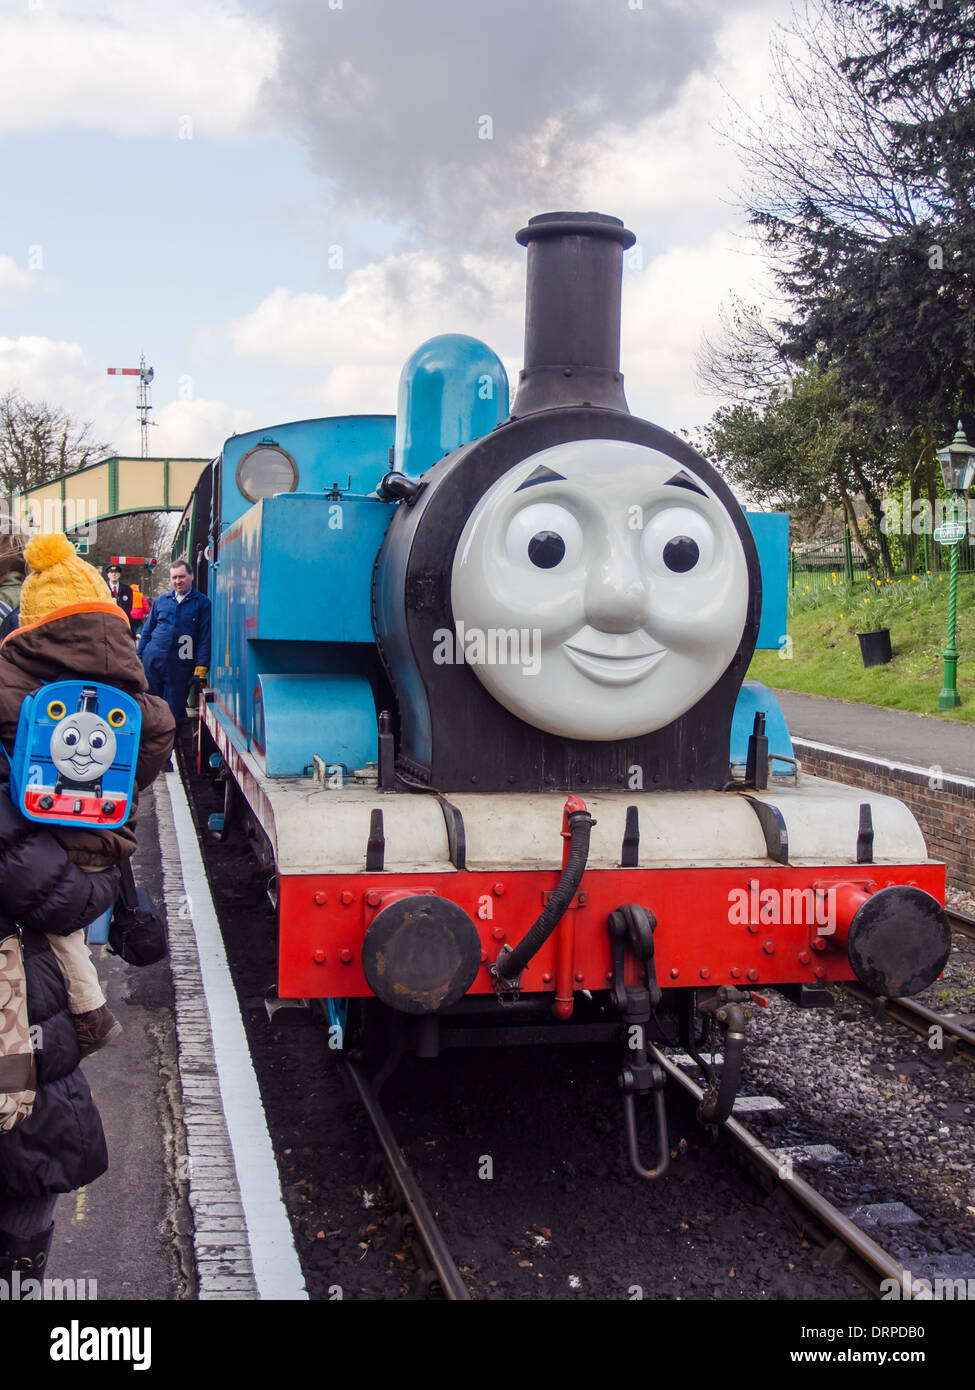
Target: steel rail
(417, 1209)
(761, 1158)
(917, 1017)
(961, 920)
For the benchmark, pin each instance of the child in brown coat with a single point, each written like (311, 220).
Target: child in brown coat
(70, 628)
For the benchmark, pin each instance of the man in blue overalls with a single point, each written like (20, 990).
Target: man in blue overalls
(175, 642)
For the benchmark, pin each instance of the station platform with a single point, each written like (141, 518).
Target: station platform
(191, 1206)
(897, 736)
(135, 1085)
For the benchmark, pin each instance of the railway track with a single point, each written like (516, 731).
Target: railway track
(870, 1261)
(821, 1221)
(960, 921)
(954, 1039)
(445, 1277)
(820, 1218)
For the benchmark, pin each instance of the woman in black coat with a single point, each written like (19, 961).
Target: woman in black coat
(61, 1146)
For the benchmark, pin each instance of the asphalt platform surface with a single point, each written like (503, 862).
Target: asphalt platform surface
(129, 1231)
(919, 740)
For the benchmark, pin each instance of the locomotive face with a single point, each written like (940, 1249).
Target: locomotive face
(82, 747)
(623, 576)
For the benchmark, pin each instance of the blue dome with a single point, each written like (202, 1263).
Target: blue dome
(452, 389)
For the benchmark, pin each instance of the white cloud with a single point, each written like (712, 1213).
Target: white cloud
(197, 429)
(357, 390)
(15, 282)
(61, 374)
(675, 180)
(363, 335)
(44, 369)
(658, 163)
(669, 175)
(666, 308)
(673, 176)
(134, 69)
(385, 310)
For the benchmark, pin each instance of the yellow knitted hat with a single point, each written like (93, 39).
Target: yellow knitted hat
(58, 578)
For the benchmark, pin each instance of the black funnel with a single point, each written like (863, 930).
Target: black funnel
(572, 312)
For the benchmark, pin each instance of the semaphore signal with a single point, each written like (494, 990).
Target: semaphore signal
(145, 375)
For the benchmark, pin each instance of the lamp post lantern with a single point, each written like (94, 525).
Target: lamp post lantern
(957, 469)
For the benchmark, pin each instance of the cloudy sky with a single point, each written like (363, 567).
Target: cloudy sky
(277, 200)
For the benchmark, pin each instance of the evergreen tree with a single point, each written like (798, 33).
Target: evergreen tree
(864, 189)
(894, 308)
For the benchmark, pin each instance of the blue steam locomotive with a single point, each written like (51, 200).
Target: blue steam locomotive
(478, 689)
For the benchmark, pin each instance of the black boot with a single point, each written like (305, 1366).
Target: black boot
(26, 1253)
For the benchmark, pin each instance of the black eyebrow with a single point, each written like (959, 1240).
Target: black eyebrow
(540, 475)
(683, 479)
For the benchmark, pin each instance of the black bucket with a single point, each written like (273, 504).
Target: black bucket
(875, 647)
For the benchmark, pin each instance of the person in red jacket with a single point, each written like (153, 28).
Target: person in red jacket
(140, 608)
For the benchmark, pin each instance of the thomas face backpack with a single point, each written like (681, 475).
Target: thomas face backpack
(75, 755)
(74, 763)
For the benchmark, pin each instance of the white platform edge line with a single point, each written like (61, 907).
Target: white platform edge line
(273, 1255)
(883, 762)
(205, 1128)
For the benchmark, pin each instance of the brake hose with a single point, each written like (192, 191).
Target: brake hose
(510, 967)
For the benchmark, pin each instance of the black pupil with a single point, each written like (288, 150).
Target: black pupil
(546, 549)
(681, 554)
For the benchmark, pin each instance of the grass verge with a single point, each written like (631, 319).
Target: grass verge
(822, 655)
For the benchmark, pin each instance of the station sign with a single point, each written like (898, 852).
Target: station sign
(950, 532)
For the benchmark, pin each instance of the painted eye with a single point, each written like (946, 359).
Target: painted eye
(677, 540)
(546, 549)
(681, 554)
(97, 740)
(70, 737)
(545, 536)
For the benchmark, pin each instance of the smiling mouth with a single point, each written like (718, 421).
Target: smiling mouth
(613, 660)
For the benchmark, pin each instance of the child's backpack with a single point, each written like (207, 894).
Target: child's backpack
(75, 755)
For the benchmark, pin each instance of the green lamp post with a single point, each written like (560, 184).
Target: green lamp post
(958, 469)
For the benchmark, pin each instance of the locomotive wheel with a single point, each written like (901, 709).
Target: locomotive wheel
(261, 846)
(221, 825)
(207, 748)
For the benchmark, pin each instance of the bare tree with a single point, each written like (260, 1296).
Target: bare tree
(861, 178)
(744, 361)
(39, 442)
(148, 534)
(826, 152)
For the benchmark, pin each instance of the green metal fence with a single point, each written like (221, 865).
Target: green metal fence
(840, 561)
